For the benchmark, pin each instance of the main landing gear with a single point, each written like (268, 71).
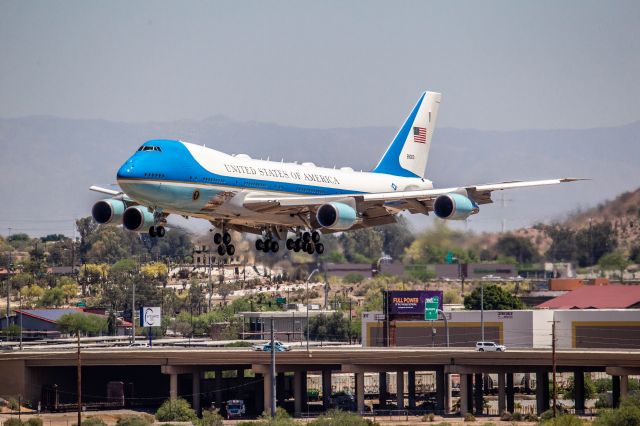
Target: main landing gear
(224, 243)
(308, 242)
(157, 231)
(267, 245)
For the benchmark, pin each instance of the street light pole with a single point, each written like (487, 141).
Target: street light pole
(308, 278)
(482, 309)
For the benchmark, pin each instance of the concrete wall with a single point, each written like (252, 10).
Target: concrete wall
(598, 328)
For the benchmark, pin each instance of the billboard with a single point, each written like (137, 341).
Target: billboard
(411, 302)
(150, 317)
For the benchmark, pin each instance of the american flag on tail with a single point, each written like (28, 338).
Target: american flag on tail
(420, 134)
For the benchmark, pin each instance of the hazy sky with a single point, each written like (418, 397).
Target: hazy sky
(500, 64)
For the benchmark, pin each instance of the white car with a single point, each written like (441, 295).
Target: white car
(490, 347)
(266, 347)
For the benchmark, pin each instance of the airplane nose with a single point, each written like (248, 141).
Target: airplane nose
(126, 170)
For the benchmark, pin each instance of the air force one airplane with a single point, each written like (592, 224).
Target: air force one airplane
(287, 201)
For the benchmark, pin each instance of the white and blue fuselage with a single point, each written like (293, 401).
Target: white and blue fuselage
(191, 180)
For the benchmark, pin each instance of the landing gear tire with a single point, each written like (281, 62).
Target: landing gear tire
(310, 248)
(259, 245)
(226, 238)
(315, 237)
(290, 243)
(217, 238)
(222, 250)
(306, 237)
(152, 232)
(267, 246)
(297, 245)
(231, 249)
(320, 248)
(160, 231)
(275, 246)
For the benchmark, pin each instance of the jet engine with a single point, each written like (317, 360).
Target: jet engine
(108, 211)
(138, 219)
(454, 207)
(335, 215)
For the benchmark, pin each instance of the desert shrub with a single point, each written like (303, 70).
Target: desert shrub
(13, 405)
(488, 424)
(341, 418)
(468, 417)
(517, 417)
(34, 421)
(428, 417)
(93, 421)
(530, 417)
(131, 421)
(443, 424)
(12, 421)
(564, 420)
(210, 418)
(506, 416)
(628, 414)
(177, 410)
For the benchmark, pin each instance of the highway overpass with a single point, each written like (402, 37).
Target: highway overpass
(159, 373)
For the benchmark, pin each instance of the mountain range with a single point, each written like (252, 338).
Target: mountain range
(48, 163)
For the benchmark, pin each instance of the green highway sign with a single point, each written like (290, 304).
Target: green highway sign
(281, 300)
(431, 306)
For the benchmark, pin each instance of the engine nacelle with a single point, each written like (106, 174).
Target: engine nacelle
(454, 207)
(336, 215)
(138, 219)
(108, 211)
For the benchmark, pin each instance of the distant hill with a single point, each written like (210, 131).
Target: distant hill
(47, 163)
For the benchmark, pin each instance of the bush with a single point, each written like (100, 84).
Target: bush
(428, 417)
(34, 421)
(468, 417)
(210, 418)
(13, 405)
(177, 410)
(628, 414)
(12, 421)
(517, 417)
(93, 421)
(341, 418)
(564, 420)
(530, 417)
(131, 421)
(506, 416)
(488, 424)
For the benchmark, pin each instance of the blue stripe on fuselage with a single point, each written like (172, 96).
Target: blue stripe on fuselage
(175, 163)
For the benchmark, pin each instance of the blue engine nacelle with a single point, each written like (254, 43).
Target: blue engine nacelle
(454, 207)
(108, 211)
(138, 219)
(334, 215)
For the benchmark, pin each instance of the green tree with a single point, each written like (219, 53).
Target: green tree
(353, 278)
(595, 241)
(81, 323)
(563, 246)
(334, 327)
(518, 247)
(52, 297)
(363, 245)
(69, 287)
(570, 389)
(495, 298)
(396, 238)
(614, 261)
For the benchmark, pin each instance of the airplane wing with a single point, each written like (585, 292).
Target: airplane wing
(105, 190)
(380, 208)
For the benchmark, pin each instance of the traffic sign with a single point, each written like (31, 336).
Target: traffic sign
(431, 306)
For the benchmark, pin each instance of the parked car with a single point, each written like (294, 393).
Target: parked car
(235, 408)
(490, 347)
(266, 347)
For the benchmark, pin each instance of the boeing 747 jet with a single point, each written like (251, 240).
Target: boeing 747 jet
(290, 202)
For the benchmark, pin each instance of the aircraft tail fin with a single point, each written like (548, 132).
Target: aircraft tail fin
(408, 152)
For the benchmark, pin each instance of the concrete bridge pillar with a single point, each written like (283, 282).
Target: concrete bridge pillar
(326, 388)
(542, 391)
(510, 393)
(359, 379)
(217, 383)
(400, 390)
(465, 401)
(195, 391)
(578, 382)
(502, 406)
(173, 386)
(479, 394)
(411, 384)
(382, 388)
(280, 378)
(266, 393)
(299, 392)
(624, 386)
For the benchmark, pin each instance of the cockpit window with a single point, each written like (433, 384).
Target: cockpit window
(149, 148)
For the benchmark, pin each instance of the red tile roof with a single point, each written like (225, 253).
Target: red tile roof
(597, 297)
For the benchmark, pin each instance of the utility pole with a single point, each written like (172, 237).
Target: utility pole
(210, 284)
(553, 361)
(273, 371)
(482, 309)
(133, 315)
(309, 278)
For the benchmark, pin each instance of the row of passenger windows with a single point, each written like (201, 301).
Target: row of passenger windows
(258, 184)
(149, 148)
(154, 175)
